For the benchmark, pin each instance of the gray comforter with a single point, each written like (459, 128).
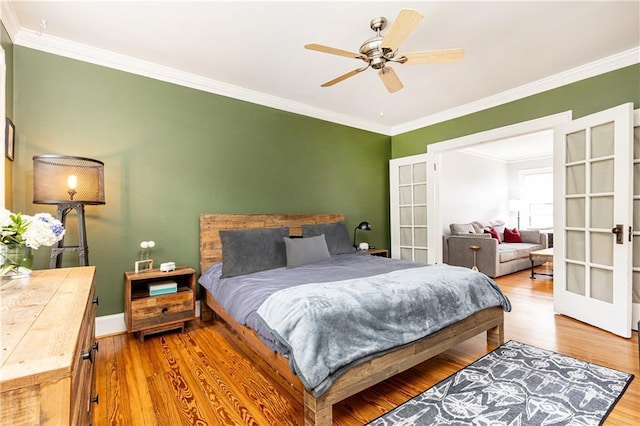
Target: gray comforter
(338, 313)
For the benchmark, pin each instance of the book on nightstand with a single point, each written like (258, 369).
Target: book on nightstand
(162, 287)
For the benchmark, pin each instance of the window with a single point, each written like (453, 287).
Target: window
(536, 191)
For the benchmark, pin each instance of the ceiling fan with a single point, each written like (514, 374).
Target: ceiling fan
(381, 49)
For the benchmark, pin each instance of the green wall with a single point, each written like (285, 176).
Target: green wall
(583, 97)
(5, 41)
(171, 153)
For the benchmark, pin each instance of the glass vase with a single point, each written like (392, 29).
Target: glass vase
(17, 260)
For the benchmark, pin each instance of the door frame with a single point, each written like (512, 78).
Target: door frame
(436, 150)
(635, 307)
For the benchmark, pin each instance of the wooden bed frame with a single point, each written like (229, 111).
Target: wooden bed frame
(318, 411)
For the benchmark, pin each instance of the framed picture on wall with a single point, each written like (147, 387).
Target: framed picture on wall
(9, 138)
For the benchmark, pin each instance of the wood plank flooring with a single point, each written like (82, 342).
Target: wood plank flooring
(206, 376)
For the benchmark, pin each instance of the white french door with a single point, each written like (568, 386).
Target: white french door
(411, 206)
(593, 179)
(635, 307)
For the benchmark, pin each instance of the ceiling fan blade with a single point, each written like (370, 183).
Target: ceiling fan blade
(401, 28)
(390, 79)
(433, 56)
(332, 50)
(342, 77)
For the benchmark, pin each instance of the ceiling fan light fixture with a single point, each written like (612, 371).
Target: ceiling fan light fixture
(379, 50)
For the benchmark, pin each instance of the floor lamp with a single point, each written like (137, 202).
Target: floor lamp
(70, 183)
(514, 206)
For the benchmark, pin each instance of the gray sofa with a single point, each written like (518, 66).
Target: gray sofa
(493, 259)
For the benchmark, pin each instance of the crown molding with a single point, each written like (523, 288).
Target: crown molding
(9, 19)
(62, 47)
(592, 69)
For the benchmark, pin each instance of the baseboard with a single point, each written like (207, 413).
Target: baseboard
(108, 325)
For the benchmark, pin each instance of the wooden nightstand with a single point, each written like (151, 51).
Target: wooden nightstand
(147, 314)
(378, 252)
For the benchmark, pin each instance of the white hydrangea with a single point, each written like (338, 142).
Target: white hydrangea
(43, 230)
(5, 217)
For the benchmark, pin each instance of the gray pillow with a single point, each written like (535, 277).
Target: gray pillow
(252, 250)
(302, 251)
(335, 234)
(462, 228)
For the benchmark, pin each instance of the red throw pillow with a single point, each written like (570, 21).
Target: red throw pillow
(512, 236)
(494, 234)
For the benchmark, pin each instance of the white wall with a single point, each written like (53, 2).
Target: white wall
(472, 188)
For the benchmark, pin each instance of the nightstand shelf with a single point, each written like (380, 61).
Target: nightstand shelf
(378, 252)
(145, 314)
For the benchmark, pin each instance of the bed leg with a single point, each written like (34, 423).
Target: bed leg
(206, 313)
(495, 336)
(317, 412)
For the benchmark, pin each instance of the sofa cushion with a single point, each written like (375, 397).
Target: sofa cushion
(512, 235)
(512, 251)
(494, 234)
(506, 253)
(462, 228)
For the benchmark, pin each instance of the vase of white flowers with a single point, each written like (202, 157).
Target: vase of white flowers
(19, 235)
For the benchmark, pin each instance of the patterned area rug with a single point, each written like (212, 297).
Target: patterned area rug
(517, 384)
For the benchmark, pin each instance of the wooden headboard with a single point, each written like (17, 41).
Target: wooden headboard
(211, 223)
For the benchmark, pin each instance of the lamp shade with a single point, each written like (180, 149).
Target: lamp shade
(364, 226)
(65, 178)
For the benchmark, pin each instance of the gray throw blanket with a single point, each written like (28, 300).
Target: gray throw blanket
(329, 327)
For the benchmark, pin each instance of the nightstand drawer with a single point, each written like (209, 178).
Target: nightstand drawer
(158, 310)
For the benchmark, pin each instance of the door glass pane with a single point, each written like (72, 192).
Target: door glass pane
(406, 254)
(405, 195)
(636, 251)
(405, 216)
(405, 237)
(602, 284)
(575, 278)
(420, 256)
(404, 174)
(575, 245)
(602, 248)
(602, 212)
(636, 142)
(636, 287)
(576, 180)
(636, 215)
(410, 223)
(636, 178)
(420, 194)
(419, 172)
(576, 146)
(602, 140)
(420, 235)
(602, 176)
(575, 212)
(420, 215)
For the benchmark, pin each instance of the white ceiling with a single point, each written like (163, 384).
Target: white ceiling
(254, 50)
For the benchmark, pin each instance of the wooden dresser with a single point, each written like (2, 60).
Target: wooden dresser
(48, 347)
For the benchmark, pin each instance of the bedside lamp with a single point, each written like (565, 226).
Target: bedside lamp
(363, 226)
(70, 183)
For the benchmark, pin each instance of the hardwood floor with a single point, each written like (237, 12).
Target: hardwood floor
(206, 376)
